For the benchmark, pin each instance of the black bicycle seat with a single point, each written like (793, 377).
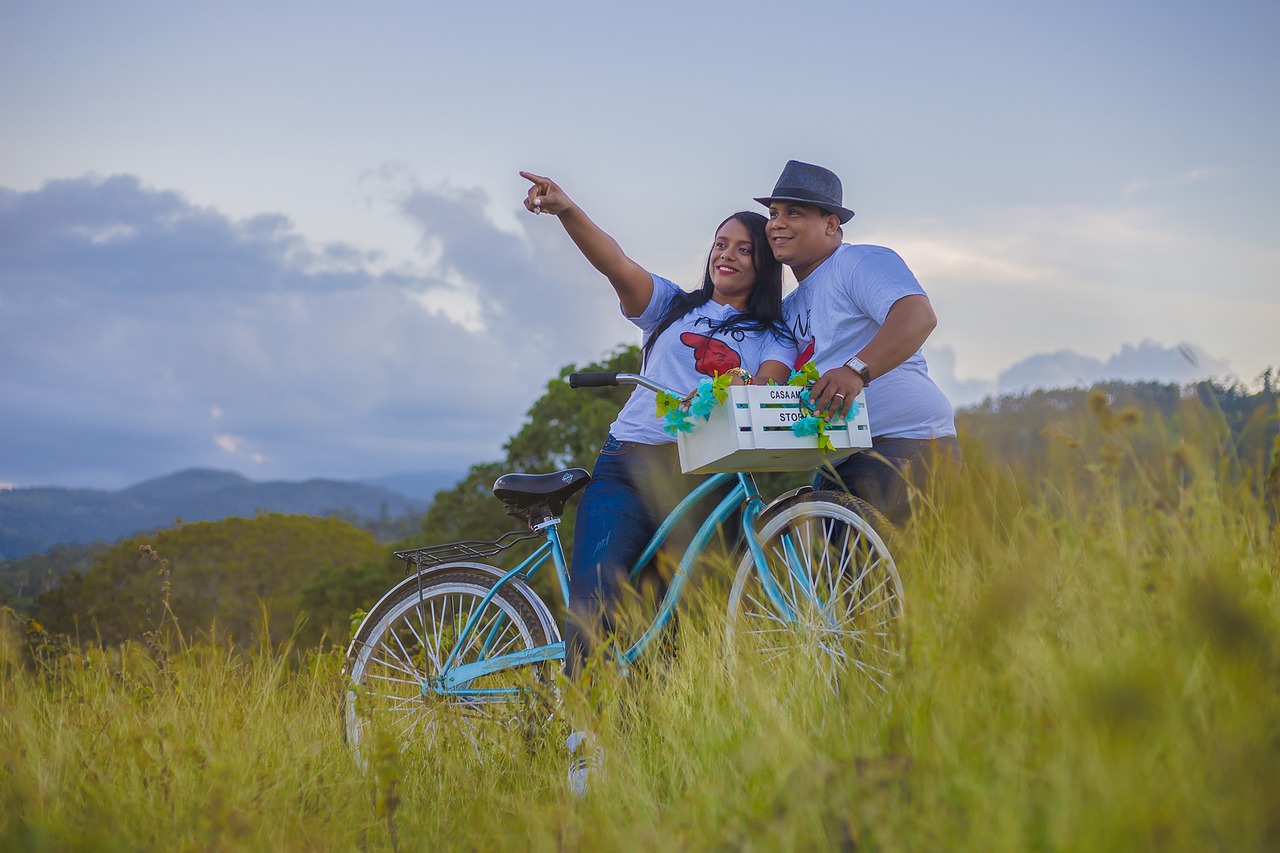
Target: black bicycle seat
(523, 491)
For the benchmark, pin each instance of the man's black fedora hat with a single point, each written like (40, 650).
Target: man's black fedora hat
(812, 185)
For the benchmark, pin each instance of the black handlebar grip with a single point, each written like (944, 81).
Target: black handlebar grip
(592, 380)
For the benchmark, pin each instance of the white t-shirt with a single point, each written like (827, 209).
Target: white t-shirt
(838, 309)
(687, 352)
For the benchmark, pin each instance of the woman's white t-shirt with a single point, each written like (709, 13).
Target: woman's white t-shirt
(688, 351)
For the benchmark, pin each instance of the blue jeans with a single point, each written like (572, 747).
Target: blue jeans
(633, 488)
(885, 475)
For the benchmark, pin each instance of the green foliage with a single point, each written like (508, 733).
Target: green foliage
(331, 595)
(227, 573)
(1206, 422)
(24, 578)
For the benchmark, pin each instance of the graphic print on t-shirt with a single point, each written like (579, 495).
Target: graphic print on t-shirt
(805, 357)
(711, 356)
(801, 329)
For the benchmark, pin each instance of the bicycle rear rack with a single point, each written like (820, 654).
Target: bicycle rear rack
(469, 549)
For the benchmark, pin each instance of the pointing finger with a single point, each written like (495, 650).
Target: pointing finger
(541, 184)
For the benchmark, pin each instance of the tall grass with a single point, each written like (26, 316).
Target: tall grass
(1094, 664)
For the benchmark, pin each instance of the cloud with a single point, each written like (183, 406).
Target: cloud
(1143, 362)
(1147, 361)
(140, 333)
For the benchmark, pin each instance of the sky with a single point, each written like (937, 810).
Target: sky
(286, 239)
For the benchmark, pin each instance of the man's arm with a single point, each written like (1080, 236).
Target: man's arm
(906, 327)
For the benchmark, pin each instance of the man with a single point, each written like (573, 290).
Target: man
(863, 317)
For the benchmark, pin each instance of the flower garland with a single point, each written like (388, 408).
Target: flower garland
(700, 402)
(679, 412)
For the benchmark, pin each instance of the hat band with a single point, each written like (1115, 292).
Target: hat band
(808, 195)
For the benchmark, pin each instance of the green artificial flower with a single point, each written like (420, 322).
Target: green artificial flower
(806, 375)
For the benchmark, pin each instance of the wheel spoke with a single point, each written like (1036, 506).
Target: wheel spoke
(387, 678)
(841, 589)
(392, 661)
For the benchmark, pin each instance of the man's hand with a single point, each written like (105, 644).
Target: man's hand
(835, 390)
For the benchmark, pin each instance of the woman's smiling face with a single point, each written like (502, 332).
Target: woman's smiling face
(732, 266)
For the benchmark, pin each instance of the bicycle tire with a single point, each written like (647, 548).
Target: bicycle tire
(852, 626)
(402, 643)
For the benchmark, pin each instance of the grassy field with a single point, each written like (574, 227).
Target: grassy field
(1094, 664)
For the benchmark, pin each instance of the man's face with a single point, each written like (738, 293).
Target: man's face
(801, 235)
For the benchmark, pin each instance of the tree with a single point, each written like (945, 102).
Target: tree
(24, 578)
(226, 573)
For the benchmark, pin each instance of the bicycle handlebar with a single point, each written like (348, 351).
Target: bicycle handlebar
(592, 380)
(603, 379)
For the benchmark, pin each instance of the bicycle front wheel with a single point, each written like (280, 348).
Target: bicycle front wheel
(829, 591)
(400, 650)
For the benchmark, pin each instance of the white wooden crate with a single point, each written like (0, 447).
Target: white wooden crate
(751, 431)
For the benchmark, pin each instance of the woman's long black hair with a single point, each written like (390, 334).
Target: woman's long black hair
(764, 305)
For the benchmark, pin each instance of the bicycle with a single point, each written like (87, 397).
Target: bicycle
(465, 638)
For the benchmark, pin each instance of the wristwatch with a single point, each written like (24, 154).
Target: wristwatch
(859, 367)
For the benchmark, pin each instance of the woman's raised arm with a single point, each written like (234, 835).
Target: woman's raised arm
(631, 281)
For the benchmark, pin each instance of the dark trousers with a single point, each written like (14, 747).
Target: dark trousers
(885, 475)
(633, 488)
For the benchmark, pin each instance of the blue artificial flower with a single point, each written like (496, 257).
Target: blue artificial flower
(677, 420)
(704, 401)
(807, 426)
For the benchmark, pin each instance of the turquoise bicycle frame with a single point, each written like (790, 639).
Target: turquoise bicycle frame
(453, 680)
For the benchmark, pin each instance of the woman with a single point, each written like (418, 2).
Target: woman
(732, 324)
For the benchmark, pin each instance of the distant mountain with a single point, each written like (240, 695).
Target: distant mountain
(34, 519)
(418, 485)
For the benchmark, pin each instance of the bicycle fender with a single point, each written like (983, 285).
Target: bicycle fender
(545, 618)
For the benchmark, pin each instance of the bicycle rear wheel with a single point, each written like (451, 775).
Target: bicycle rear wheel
(399, 651)
(831, 593)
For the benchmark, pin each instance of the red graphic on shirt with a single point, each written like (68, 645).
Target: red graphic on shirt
(711, 356)
(805, 357)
